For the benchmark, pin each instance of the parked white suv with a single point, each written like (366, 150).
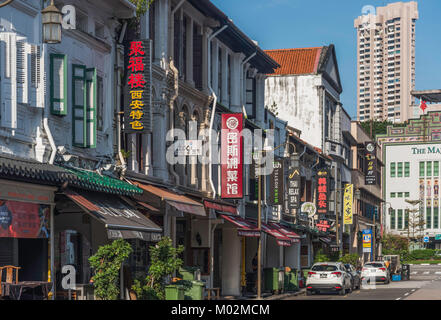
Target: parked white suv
(376, 271)
(328, 276)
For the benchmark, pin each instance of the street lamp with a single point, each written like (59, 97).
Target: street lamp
(52, 20)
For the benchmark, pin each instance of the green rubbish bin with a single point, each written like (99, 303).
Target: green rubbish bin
(271, 277)
(174, 292)
(188, 273)
(291, 281)
(193, 290)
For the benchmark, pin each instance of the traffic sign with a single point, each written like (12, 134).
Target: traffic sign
(426, 239)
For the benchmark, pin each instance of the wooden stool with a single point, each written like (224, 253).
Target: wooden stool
(215, 291)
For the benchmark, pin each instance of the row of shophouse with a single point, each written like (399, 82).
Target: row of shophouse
(73, 178)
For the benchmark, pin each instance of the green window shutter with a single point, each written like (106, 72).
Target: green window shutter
(422, 169)
(400, 219)
(392, 169)
(429, 217)
(429, 168)
(79, 106)
(436, 168)
(435, 218)
(407, 169)
(400, 170)
(392, 219)
(400, 194)
(406, 194)
(406, 219)
(91, 106)
(58, 84)
(392, 194)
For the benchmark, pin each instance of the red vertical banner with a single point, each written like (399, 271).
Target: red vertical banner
(231, 156)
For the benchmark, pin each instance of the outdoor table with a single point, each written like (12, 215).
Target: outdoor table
(15, 290)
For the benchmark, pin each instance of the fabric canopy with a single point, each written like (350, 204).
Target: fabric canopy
(245, 228)
(180, 202)
(221, 207)
(120, 220)
(287, 232)
(282, 239)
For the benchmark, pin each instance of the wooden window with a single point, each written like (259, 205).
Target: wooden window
(100, 104)
(429, 218)
(435, 218)
(407, 169)
(436, 168)
(392, 219)
(84, 101)
(422, 168)
(400, 170)
(58, 84)
(392, 169)
(429, 168)
(400, 219)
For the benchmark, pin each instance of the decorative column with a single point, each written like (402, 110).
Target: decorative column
(205, 34)
(159, 149)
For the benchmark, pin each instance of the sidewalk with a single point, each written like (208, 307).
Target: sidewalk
(268, 296)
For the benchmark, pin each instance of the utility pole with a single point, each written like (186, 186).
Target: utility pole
(259, 247)
(373, 239)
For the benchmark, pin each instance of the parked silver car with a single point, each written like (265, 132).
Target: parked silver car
(355, 276)
(328, 276)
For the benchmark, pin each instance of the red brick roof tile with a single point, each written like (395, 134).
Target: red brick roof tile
(296, 61)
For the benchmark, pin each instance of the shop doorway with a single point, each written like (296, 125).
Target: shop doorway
(33, 259)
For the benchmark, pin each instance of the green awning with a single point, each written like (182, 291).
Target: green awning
(90, 180)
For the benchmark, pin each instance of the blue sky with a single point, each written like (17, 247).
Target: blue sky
(309, 23)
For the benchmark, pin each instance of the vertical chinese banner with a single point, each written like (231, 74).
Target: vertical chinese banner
(371, 168)
(231, 156)
(293, 186)
(138, 104)
(322, 191)
(348, 198)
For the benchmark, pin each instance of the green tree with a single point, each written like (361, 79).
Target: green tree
(164, 262)
(106, 264)
(142, 6)
(350, 258)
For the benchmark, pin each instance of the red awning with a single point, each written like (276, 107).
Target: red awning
(282, 239)
(221, 207)
(245, 228)
(287, 232)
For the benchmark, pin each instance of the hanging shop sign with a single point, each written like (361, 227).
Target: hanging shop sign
(371, 167)
(231, 156)
(138, 106)
(24, 220)
(347, 201)
(322, 191)
(253, 181)
(367, 240)
(294, 183)
(323, 225)
(276, 184)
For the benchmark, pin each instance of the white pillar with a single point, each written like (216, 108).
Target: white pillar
(205, 34)
(231, 262)
(158, 139)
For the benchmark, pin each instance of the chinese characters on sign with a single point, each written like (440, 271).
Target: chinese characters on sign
(294, 182)
(371, 174)
(231, 155)
(323, 225)
(367, 240)
(347, 213)
(322, 192)
(276, 184)
(137, 112)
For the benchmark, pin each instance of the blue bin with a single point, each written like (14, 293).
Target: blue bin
(396, 277)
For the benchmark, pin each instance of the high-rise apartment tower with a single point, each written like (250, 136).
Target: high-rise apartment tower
(386, 61)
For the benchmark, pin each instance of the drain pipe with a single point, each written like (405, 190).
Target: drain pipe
(213, 111)
(46, 123)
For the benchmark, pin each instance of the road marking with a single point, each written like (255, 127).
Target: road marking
(426, 272)
(424, 264)
(413, 290)
(438, 272)
(398, 299)
(415, 272)
(406, 294)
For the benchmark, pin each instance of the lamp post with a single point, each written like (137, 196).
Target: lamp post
(52, 21)
(5, 3)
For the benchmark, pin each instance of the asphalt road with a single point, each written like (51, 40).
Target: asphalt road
(424, 284)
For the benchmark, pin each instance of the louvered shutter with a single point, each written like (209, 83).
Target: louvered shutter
(79, 129)
(22, 64)
(37, 83)
(58, 84)
(8, 111)
(91, 103)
